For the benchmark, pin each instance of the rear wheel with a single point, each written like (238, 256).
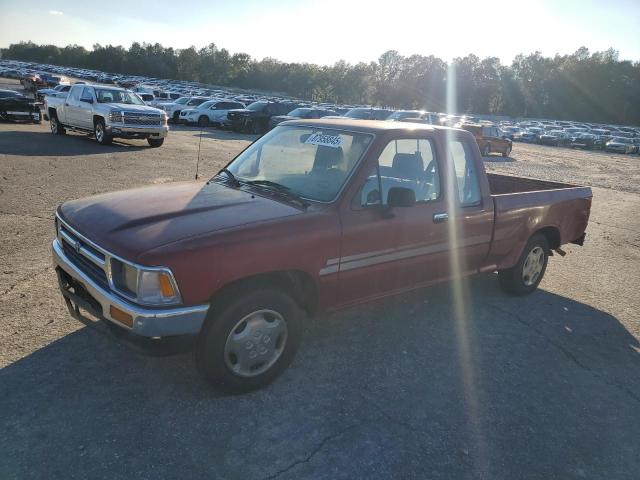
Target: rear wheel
(203, 121)
(486, 150)
(155, 142)
(56, 126)
(249, 340)
(100, 132)
(507, 151)
(527, 274)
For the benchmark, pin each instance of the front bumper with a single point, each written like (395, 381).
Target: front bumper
(81, 291)
(139, 131)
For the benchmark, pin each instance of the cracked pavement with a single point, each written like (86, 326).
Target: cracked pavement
(539, 387)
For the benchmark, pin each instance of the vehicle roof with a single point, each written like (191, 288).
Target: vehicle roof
(366, 126)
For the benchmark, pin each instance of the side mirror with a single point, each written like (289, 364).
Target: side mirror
(87, 100)
(401, 197)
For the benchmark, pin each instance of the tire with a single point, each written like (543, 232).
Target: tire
(56, 126)
(214, 352)
(176, 117)
(255, 127)
(203, 121)
(486, 150)
(507, 152)
(155, 142)
(100, 133)
(524, 277)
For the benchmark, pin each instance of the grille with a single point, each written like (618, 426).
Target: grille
(148, 119)
(72, 246)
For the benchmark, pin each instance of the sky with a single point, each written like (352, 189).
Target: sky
(326, 31)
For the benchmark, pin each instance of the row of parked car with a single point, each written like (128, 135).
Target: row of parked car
(191, 103)
(616, 139)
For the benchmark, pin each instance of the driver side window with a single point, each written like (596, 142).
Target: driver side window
(404, 163)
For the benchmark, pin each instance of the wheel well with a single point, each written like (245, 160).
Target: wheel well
(298, 284)
(96, 118)
(552, 235)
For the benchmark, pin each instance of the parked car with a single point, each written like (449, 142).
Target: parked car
(59, 89)
(490, 139)
(173, 109)
(585, 141)
(212, 112)
(530, 135)
(400, 115)
(301, 113)
(255, 118)
(368, 113)
(556, 138)
(106, 113)
(14, 106)
(147, 98)
(304, 220)
(620, 145)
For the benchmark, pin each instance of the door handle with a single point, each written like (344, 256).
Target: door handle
(440, 217)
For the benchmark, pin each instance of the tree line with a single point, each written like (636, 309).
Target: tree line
(584, 86)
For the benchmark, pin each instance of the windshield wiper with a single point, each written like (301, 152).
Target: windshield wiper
(234, 181)
(280, 188)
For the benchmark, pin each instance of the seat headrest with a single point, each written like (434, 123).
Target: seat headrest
(327, 157)
(408, 165)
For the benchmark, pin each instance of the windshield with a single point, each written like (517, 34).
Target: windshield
(359, 113)
(313, 163)
(257, 106)
(105, 95)
(399, 115)
(300, 113)
(182, 100)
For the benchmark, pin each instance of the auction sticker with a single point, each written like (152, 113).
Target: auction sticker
(325, 140)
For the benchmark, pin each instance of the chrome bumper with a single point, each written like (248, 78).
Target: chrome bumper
(146, 322)
(156, 132)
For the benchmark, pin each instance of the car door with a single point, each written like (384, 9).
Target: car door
(85, 110)
(390, 249)
(72, 106)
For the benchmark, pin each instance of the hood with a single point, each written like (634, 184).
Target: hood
(241, 111)
(283, 118)
(131, 222)
(135, 108)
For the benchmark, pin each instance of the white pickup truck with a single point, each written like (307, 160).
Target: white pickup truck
(106, 112)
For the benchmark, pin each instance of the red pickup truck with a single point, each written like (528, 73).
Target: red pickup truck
(315, 215)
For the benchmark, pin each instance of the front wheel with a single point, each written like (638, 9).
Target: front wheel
(486, 150)
(155, 142)
(100, 132)
(56, 126)
(527, 274)
(249, 340)
(507, 151)
(203, 121)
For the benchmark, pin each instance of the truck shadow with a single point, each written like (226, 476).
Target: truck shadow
(43, 143)
(540, 381)
(498, 159)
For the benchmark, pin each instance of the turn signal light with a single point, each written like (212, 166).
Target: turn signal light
(165, 286)
(121, 316)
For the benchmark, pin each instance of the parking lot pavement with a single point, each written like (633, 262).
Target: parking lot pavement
(545, 386)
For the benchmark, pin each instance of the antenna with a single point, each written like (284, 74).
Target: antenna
(198, 161)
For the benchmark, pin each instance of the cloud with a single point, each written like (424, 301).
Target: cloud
(55, 12)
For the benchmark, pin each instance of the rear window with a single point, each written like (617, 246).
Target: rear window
(466, 175)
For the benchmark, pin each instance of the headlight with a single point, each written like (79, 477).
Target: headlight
(146, 286)
(115, 117)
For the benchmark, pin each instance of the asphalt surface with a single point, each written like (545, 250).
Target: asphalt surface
(541, 387)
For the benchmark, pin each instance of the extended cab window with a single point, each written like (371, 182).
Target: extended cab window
(466, 175)
(405, 163)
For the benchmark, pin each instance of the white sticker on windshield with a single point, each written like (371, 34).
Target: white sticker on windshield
(323, 139)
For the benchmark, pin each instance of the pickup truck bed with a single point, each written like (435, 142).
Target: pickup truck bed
(521, 202)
